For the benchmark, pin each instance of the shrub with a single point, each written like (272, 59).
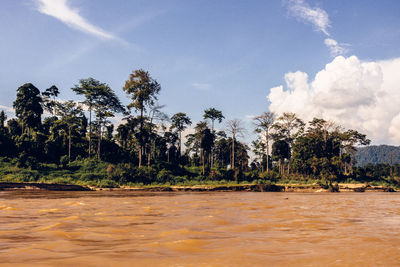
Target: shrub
(64, 161)
(106, 183)
(110, 170)
(164, 176)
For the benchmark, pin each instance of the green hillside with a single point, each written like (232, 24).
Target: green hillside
(378, 154)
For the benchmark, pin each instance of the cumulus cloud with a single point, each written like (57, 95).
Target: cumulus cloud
(60, 10)
(356, 94)
(315, 16)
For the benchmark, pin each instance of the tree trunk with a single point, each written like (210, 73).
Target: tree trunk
(69, 144)
(233, 152)
(99, 143)
(212, 149)
(180, 144)
(141, 138)
(90, 131)
(267, 142)
(140, 157)
(148, 157)
(202, 156)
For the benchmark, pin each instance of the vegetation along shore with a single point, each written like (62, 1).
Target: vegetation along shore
(54, 141)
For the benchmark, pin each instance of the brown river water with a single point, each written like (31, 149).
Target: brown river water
(199, 229)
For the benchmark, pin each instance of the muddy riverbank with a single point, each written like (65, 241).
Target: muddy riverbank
(307, 188)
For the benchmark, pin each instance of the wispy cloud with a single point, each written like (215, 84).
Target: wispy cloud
(335, 48)
(316, 16)
(202, 86)
(61, 10)
(319, 19)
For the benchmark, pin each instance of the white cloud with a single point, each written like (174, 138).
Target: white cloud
(335, 48)
(60, 10)
(355, 94)
(9, 110)
(320, 20)
(316, 16)
(202, 86)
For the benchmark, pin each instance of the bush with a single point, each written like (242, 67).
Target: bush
(110, 170)
(64, 161)
(164, 176)
(106, 183)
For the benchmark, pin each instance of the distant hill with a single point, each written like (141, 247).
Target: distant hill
(377, 154)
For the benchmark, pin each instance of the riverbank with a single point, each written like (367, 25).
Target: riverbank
(306, 188)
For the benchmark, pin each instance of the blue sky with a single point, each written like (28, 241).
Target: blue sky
(223, 54)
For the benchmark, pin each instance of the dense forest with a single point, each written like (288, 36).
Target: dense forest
(75, 142)
(382, 154)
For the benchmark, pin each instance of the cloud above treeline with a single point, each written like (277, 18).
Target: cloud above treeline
(61, 10)
(319, 19)
(361, 95)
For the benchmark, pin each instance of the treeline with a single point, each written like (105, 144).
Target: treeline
(150, 144)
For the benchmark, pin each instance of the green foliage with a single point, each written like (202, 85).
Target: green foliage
(28, 108)
(64, 161)
(165, 176)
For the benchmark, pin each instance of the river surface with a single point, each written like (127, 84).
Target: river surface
(199, 229)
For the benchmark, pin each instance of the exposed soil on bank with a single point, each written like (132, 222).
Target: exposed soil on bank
(307, 188)
(42, 186)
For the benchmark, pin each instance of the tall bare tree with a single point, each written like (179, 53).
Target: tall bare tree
(235, 128)
(264, 123)
(69, 113)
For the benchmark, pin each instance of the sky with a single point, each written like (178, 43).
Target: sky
(339, 60)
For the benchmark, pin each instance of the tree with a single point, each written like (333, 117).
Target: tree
(234, 127)
(281, 151)
(143, 90)
(3, 118)
(106, 105)
(91, 89)
(287, 127)
(259, 151)
(28, 108)
(207, 142)
(265, 122)
(155, 115)
(213, 114)
(350, 138)
(49, 99)
(69, 113)
(180, 121)
(170, 138)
